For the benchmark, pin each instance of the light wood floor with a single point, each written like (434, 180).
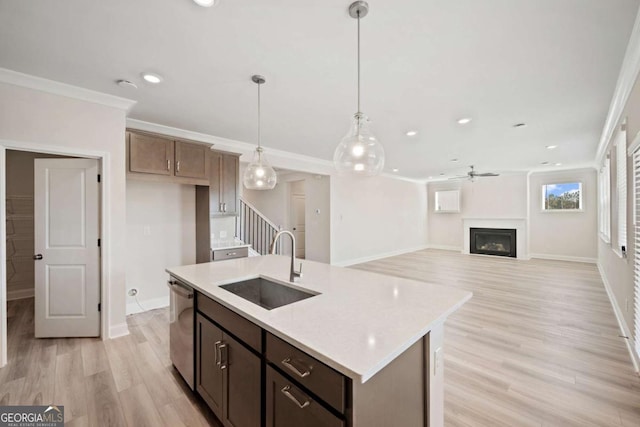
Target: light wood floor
(538, 345)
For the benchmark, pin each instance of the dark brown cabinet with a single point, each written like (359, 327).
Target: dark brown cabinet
(224, 183)
(228, 375)
(158, 158)
(289, 406)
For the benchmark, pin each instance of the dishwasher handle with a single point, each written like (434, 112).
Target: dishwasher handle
(179, 289)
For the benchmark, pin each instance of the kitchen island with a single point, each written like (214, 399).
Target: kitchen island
(365, 350)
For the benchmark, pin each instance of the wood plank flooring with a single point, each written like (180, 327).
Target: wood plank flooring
(537, 345)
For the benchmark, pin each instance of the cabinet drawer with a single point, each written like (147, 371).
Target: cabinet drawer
(289, 406)
(320, 379)
(237, 325)
(222, 254)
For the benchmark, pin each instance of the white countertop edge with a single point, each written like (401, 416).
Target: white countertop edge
(356, 376)
(230, 246)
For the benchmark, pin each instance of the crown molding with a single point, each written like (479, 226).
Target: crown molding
(626, 80)
(57, 88)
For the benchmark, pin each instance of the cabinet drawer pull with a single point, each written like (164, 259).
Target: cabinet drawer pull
(217, 353)
(286, 392)
(231, 253)
(287, 363)
(168, 164)
(224, 356)
(178, 166)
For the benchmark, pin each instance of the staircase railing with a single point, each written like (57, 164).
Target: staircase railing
(254, 228)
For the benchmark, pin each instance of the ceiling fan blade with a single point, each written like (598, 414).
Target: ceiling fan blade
(487, 174)
(459, 177)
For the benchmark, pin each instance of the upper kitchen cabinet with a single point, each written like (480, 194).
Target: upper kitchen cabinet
(224, 183)
(156, 158)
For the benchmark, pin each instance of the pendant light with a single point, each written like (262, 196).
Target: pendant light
(259, 175)
(359, 152)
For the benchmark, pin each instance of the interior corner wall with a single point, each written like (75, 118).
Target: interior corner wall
(568, 235)
(375, 217)
(161, 233)
(488, 198)
(275, 205)
(48, 120)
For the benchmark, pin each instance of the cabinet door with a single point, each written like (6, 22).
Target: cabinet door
(215, 183)
(209, 376)
(192, 160)
(243, 391)
(230, 170)
(150, 154)
(289, 406)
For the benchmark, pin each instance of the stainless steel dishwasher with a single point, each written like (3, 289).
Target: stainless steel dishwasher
(181, 329)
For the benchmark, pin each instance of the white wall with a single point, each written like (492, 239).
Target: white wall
(53, 122)
(568, 235)
(375, 217)
(161, 233)
(492, 197)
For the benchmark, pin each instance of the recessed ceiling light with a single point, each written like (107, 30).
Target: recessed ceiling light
(544, 163)
(395, 169)
(152, 78)
(558, 164)
(206, 3)
(127, 83)
(412, 133)
(464, 120)
(551, 147)
(520, 125)
(430, 177)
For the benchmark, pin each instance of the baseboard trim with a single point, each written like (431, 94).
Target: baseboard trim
(20, 294)
(119, 330)
(445, 247)
(621, 323)
(565, 258)
(355, 261)
(150, 304)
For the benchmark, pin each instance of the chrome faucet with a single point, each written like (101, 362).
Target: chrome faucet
(293, 273)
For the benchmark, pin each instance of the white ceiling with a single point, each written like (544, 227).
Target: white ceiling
(552, 64)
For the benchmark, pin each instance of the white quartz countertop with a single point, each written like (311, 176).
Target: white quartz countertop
(228, 244)
(359, 323)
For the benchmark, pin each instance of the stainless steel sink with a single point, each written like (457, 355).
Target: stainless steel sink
(267, 293)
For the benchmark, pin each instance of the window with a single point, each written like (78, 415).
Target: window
(605, 200)
(562, 197)
(447, 201)
(621, 187)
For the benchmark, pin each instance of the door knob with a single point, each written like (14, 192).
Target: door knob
(37, 257)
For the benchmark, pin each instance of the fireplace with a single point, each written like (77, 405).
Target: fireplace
(493, 241)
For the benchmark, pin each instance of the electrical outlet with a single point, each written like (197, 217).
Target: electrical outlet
(133, 292)
(437, 357)
(223, 234)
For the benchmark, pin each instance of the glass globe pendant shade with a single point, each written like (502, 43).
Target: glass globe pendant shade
(259, 174)
(359, 152)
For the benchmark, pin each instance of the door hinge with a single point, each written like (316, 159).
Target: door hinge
(99, 242)
(98, 177)
(99, 306)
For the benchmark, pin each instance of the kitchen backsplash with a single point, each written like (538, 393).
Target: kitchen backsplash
(223, 228)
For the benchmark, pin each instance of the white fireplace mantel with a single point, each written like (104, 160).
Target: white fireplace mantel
(519, 224)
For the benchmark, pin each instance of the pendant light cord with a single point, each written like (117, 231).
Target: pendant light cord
(259, 146)
(359, 63)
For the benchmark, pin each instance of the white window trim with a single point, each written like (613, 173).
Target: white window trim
(543, 199)
(621, 191)
(604, 199)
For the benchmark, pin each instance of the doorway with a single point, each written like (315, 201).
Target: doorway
(17, 203)
(297, 203)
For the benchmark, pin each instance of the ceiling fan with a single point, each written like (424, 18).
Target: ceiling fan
(472, 174)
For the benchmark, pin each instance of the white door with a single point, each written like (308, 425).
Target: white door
(298, 224)
(67, 284)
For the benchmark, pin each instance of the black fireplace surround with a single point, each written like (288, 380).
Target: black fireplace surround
(493, 241)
